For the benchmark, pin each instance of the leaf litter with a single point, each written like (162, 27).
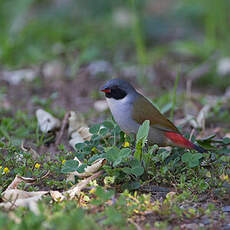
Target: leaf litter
(79, 132)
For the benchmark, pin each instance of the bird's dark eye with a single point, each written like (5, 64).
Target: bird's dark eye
(116, 93)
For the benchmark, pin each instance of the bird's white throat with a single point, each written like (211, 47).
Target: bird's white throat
(122, 113)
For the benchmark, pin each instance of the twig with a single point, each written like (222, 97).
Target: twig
(45, 176)
(63, 126)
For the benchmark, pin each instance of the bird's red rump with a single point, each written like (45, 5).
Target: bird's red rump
(179, 140)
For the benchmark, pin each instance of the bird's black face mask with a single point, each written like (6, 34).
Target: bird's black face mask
(116, 93)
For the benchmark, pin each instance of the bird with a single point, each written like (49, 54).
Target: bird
(130, 109)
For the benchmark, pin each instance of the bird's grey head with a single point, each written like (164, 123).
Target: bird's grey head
(117, 89)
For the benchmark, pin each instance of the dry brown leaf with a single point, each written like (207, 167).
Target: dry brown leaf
(57, 196)
(76, 189)
(14, 194)
(78, 130)
(75, 139)
(14, 197)
(30, 150)
(30, 202)
(89, 170)
(227, 135)
(46, 121)
(202, 116)
(76, 120)
(85, 134)
(18, 179)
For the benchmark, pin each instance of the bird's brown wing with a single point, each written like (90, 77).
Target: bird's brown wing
(145, 110)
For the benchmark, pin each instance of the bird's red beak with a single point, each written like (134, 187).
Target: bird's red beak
(106, 90)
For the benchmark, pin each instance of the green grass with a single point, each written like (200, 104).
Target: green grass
(191, 174)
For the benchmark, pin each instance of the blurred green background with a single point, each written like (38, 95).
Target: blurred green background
(164, 34)
(141, 31)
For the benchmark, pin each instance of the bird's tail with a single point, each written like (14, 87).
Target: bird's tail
(178, 140)
(199, 148)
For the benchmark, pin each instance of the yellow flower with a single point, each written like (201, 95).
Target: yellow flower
(94, 149)
(6, 170)
(224, 177)
(37, 166)
(92, 190)
(0, 167)
(63, 162)
(126, 144)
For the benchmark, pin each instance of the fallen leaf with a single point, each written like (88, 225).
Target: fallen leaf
(14, 194)
(75, 139)
(46, 121)
(14, 197)
(54, 69)
(18, 179)
(202, 116)
(15, 77)
(76, 120)
(89, 170)
(30, 202)
(78, 130)
(57, 196)
(30, 150)
(76, 189)
(84, 133)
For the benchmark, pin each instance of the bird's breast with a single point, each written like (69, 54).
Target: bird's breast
(122, 113)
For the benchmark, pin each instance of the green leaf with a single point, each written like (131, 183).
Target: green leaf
(142, 135)
(163, 154)
(102, 196)
(103, 131)
(113, 217)
(143, 131)
(127, 170)
(207, 141)
(226, 140)
(135, 168)
(138, 171)
(117, 156)
(112, 154)
(70, 166)
(123, 154)
(208, 138)
(81, 168)
(108, 124)
(95, 157)
(95, 129)
(79, 146)
(191, 159)
(134, 163)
